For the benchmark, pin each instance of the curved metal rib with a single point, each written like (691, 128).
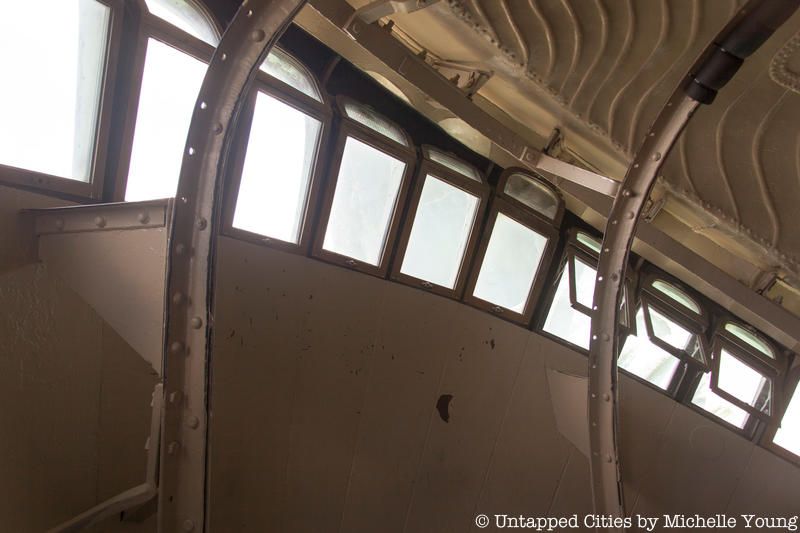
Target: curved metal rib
(750, 27)
(190, 261)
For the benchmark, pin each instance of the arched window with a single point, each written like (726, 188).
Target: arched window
(516, 248)
(670, 326)
(276, 165)
(445, 212)
(177, 39)
(571, 307)
(368, 180)
(56, 96)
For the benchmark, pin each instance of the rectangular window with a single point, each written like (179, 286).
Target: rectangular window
(440, 232)
(277, 171)
(170, 85)
(563, 320)
(743, 382)
(50, 99)
(644, 359)
(788, 435)
(510, 264)
(364, 201)
(708, 400)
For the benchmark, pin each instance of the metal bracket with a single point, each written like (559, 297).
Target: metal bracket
(139, 495)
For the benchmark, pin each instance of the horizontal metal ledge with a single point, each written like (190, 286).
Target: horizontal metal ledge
(101, 217)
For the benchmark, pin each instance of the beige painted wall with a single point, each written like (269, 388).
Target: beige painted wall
(74, 397)
(324, 385)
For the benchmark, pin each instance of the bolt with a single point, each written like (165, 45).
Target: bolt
(100, 222)
(201, 223)
(176, 347)
(193, 422)
(177, 298)
(143, 218)
(197, 322)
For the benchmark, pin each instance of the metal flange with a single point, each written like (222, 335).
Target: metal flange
(190, 259)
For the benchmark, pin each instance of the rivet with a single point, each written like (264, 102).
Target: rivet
(184, 199)
(197, 322)
(656, 156)
(60, 223)
(173, 447)
(100, 222)
(176, 347)
(606, 250)
(594, 425)
(188, 525)
(217, 129)
(177, 298)
(193, 422)
(175, 396)
(249, 13)
(627, 193)
(605, 337)
(143, 218)
(606, 397)
(258, 35)
(599, 278)
(203, 105)
(223, 56)
(179, 249)
(631, 215)
(614, 222)
(614, 277)
(201, 223)
(636, 165)
(594, 395)
(609, 459)
(191, 150)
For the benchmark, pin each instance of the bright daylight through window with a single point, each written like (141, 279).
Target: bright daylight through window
(563, 320)
(707, 399)
(788, 436)
(50, 113)
(510, 265)
(277, 170)
(364, 201)
(642, 358)
(440, 232)
(185, 15)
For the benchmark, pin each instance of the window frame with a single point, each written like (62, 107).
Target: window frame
(479, 189)
(94, 188)
(528, 219)
(790, 388)
(346, 128)
(150, 26)
(750, 357)
(300, 101)
(503, 181)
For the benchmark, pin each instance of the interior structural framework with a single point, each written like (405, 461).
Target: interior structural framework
(287, 265)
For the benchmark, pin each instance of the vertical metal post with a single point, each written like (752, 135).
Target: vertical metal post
(190, 259)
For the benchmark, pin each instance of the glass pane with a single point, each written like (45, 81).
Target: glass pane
(442, 226)
(533, 194)
(50, 97)
(743, 382)
(277, 170)
(284, 67)
(668, 331)
(707, 399)
(788, 436)
(454, 164)
(590, 242)
(367, 117)
(677, 295)
(186, 16)
(363, 203)
(749, 338)
(170, 85)
(584, 288)
(641, 357)
(510, 264)
(563, 320)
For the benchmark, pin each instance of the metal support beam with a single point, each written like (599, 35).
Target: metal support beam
(378, 9)
(396, 56)
(190, 258)
(751, 26)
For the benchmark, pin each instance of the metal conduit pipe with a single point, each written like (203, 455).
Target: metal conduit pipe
(191, 258)
(747, 30)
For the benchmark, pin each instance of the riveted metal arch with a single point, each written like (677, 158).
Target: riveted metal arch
(190, 261)
(750, 27)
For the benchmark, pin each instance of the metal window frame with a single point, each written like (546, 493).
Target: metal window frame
(501, 188)
(349, 128)
(92, 189)
(307, 105)
(790, 388)
(150, 27)
(748, 357)
(534, 222)
(478, 189)
(671, 312)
